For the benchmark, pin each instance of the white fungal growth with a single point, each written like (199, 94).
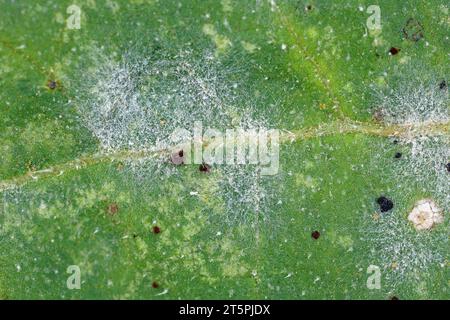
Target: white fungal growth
(402, 252)
(138, 103)
(425, 215)
(417, 105)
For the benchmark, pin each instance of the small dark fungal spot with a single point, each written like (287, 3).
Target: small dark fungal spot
(385, 204)
(448, 166)
(413, 30)
(177, 158)
(394, 298)
(205, 168)
(113, 208)
(398, 155)
(315, 235)
(443, 85)
(393, 50)
(155, 285)
(308, 7)
(51, 84)
(156, 229)
(395, 141)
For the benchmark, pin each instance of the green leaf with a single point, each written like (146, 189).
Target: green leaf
(86, 178)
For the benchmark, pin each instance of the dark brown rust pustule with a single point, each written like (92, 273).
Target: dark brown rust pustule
(315, 235)
(156, 229)
(206, 168)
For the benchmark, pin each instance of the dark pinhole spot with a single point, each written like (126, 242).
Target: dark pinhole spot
(156, 229)
(443, 85)
(113, 208)
(393, 50)
(308, 7)
(155, 285)
(205, 168)
(448, 166)
(413, 30)
(315, 235)
(398, 155)
(51, 84)
(395, 141)
(394, 298)
(135, 236)
(181, 153)
(385, 204)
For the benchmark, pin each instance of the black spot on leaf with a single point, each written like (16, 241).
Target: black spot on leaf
(51, 84)
(385, 204)
(205, 168)
(393, 50)
(398, 155)
(315, 235)
(156, 229)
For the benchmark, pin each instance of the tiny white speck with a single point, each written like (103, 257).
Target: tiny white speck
(164, 292)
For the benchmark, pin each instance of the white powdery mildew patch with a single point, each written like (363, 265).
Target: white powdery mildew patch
(247, 195)
(416, 103)
(404, 252)
(418, 106)
(136, 104)
(421, 106)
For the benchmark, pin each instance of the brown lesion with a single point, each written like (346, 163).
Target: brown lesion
(112, 209)
(156, 229)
